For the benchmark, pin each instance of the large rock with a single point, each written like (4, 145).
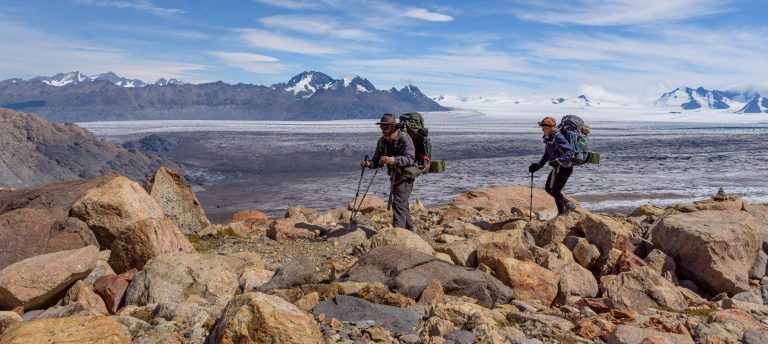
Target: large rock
(112, 206)
(552, 231)
(30, 232)
(83, 294)
(295, 273)
(625, 334)
(367, 205)
(261, 318)
(177, 199)
(400, 237)
(642, 288)
(408, 271)
(77, 329)
(606, 233)
(528, 280)
(715, 248)
(504, 198)
(42, 280)
(287, 229)
(177, 277)
(575, 280)
(352, 309)
(144, 240)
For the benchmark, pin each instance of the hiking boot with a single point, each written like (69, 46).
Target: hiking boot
(568, 208)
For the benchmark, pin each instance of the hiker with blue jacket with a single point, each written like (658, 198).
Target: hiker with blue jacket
(395, 150)
(557, 154)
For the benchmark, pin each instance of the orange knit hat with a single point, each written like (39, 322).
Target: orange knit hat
(548, 122)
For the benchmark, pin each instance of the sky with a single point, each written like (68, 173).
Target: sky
(610, 49)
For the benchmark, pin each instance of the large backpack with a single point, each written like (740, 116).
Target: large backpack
(577, 134)
(413, 123)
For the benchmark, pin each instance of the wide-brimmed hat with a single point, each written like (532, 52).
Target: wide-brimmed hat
(548, 122)
(387, 119)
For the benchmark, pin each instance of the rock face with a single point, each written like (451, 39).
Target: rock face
(716, 248)
(30, 232)
(504, 198)
(69, 330)
(177, 199)
(36, 152)
(179, 276)
(352, 309)
(408, 272)
(261, 318)
(606, 233)
(642, 288)
(42, 280)
(143, 240)
(110, 207)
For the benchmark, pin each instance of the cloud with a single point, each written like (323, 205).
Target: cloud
(274, 41)
(318, 26)
(27, 52)
(255, 63)
(420, 13)
(292, 4)
(140, 5)
(617, 12)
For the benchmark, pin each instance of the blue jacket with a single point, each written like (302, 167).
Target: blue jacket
(557, 148)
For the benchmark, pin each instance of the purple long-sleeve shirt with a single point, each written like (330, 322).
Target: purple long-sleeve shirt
(557, 147)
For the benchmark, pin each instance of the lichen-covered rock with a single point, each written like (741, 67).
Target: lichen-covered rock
(606, 233)
(177, 199)
(642, 288)
(400, 237)
(261, 318)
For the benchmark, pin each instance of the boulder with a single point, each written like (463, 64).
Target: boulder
(642, 288)
(301, 214)
(76, 329)
(575, 280)
(295, 273)
(82, 293)
(462, 253)
(352, 309)
(102, 268)
(177, 199)
(250, 217)
(625, 334)
(261, 318)
(528, 280)
(400, 237)
(284, 230)
(144, 240)
(457, 213)
(112, 289)
(30, 232)
(552, 231)
(585, 253)
(648, 210)
(715, 248)
(176, 277)
(408, 272)
(368, 205)
(112, 206)
(42, 280)
(660, 262)
(504, 198)
(606, 233)
(70, 310)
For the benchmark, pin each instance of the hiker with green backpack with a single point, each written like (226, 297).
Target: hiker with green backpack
(396, 151)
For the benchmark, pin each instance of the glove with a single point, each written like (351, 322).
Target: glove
(534, 167)
(554, 163)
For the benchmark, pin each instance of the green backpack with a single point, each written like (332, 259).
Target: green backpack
(413, 122)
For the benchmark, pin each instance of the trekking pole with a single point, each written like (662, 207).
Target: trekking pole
(530, 208)
(391, 190)
(359, 182)
(355, 212)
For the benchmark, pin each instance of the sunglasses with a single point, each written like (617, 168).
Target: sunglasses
(382, 126)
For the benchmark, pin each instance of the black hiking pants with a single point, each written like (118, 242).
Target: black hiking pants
(401, 191)
(555, 184)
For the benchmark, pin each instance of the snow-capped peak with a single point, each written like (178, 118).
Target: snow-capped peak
(164, 82)
(307, 83)
(688, 98)
(63, 79)
(758, 104)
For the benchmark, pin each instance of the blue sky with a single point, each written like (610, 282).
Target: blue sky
(614, 48)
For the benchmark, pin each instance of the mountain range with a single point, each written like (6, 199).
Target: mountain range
(687, 98)
(74, 97)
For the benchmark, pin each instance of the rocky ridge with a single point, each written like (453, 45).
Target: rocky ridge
(105, 260)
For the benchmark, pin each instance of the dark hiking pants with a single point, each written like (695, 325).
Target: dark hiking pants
(401, 214)
(555, 184)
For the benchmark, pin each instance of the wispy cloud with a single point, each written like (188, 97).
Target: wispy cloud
(292, 4)
(279, 42)
(423, 14)
(255, 63)
(318, 26)
(140, 5)
(27, 53)
(616, 12)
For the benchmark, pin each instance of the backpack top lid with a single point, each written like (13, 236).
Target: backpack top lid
(571, 123)
(412, 120)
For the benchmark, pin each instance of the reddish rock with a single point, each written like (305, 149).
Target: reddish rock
(112, 289)
(7, 324)
(31, 232)
(599, 305)
(504, 198)
(82, 293)
(628, 261)
(642, 288)
(528, 280)
(606, 233)
(283, 230)
(433, 294)
(250, 217)
(454, 213)
(593, 328)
